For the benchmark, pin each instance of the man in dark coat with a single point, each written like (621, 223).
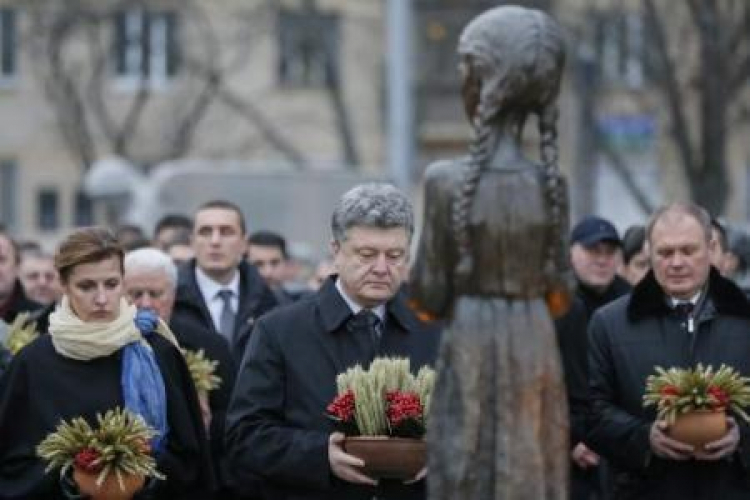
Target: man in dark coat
(219, 267)
(276, 424)
(13, 300)
(681, 314)
(595, 255)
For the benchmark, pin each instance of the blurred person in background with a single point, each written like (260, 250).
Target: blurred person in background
(595, 254)
(180, 248)
(267, 251)
(170, 228)
(39, 277)
(635, 258)
(323, 270)
(131, 237)
(150, 281)
(13, 299)
(721, 255)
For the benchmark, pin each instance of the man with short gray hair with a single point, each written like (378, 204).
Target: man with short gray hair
(150, 281)
(276, 425)
(683, 312)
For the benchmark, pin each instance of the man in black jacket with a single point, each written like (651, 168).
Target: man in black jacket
(218, 291)
(13, 300)
(276, 425)
(218, 298)
(682, 313)
(595, 255)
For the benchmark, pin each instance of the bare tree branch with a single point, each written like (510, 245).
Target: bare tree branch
(256, 117)
(670, 87)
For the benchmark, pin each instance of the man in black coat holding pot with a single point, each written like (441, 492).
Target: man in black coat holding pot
(276, 424)
(681, 314)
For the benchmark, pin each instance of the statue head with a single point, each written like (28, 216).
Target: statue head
(511, 60)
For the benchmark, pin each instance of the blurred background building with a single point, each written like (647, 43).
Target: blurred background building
(262, 100)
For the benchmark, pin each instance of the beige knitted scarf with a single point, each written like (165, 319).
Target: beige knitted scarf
(77, 339)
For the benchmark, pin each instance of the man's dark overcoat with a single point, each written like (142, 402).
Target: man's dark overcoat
(192, 325)
(276, 424)
(628, 339)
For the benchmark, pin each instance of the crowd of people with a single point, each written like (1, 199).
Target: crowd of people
(262, 434)
(116, 310)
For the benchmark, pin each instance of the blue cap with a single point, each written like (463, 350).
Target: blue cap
(591, 230)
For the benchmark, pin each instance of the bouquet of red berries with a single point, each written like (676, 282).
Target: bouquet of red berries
(385, 400)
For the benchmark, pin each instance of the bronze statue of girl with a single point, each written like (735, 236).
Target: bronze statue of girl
(492, 262)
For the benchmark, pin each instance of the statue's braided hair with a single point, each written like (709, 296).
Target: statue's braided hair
(554, 187)
(477, 161)
(534, 72)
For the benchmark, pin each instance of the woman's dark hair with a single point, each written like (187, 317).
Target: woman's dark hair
(632, 242)
(85, 246)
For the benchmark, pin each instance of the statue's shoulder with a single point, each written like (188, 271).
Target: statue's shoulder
(445, 173)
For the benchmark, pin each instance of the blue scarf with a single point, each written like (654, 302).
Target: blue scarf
(142, 384)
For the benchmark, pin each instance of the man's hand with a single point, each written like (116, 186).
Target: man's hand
(345, 466)
(666, 447)
(584, 457)
(723, 447)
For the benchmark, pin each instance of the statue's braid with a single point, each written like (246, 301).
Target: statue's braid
(555, 189)
(462, 203)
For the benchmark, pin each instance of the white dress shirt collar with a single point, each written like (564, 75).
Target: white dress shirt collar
(378, 310)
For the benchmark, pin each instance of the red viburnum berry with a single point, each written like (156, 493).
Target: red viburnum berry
(87, 459)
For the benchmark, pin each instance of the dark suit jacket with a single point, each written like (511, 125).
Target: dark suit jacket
(276, 424)
(192, 325)
(255, 299)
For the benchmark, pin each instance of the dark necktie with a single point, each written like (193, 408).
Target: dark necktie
(684, 309)
(226, 319)
(366, 327)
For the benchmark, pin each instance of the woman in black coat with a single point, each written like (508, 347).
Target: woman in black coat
(95, 359)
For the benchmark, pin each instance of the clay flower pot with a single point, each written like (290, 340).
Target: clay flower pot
(387, 457)
(699, 427)
(110, 488)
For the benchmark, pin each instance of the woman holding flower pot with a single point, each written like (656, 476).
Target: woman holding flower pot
(99, 356)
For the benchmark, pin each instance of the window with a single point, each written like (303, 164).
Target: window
(47, 209)
(8, 196)
(308, 48)
(146, 48)
(8, 44)
(620, 48)
(83, 211)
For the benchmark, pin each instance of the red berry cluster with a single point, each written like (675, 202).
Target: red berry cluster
(342, 407)
(87, 459)
(720, 395)
(670, 390)
(403, 406)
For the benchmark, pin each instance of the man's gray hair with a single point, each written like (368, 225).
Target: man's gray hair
(684, 208)
(151, 259)
(376, 205)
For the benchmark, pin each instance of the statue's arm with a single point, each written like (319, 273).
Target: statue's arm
(431, 283)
